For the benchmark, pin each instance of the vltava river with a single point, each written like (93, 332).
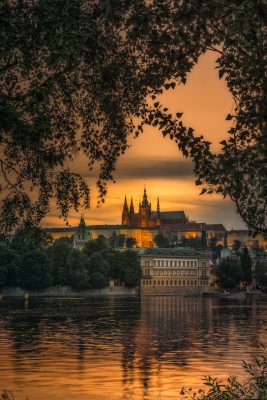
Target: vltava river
(123, 348)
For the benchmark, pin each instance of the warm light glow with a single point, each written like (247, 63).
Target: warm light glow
(157, 162)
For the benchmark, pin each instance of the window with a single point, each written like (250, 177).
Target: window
(167, 282)
(170, 283)
(184, 283)
(158, 283)
(175, 283)
(162, 282)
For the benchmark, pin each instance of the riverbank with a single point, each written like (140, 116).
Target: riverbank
(67, 291)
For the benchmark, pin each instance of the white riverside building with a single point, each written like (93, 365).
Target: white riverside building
(174, 271)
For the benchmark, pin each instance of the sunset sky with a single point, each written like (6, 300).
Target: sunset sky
(158, 164)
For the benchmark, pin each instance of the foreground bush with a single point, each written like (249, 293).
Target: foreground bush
(253, 388)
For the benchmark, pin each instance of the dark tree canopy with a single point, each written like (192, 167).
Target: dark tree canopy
(81, 76)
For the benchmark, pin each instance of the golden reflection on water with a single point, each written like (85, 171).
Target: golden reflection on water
(122, 348)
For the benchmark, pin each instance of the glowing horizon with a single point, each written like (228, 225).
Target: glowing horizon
(157, 163)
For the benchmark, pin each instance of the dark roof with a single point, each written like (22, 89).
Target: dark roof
(177, 252)
(189, 226)
(215, 227)
(240, 231)
(55, 230)
(169, 215)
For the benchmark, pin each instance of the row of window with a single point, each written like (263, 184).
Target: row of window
(174, 263)
(174, 272)
(152, 282)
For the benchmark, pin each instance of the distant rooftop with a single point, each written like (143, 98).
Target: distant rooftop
(170, 215)
(177, 252)
(215, 227)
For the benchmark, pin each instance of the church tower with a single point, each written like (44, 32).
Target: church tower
(158, 214)
(125, 220)
(144, 211)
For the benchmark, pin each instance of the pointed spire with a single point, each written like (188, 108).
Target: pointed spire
(144, 202)
(145, 195)
(125, 213)
(82, 224)
(158, 207)
(131, 207)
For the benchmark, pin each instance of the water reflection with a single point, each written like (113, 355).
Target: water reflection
(121, 348)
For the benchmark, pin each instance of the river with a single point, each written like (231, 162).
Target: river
(124, 348)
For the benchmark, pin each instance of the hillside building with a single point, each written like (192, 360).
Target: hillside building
(175, 271)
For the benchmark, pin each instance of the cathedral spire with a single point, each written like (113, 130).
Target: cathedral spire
(131, 207)
(145, 202)
(125, 213)
(158, 207)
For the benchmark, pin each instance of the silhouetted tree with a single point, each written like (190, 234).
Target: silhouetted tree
(236, 245)
(78, 270)
(246, 266)
(34, 269)
(130, 242)
(161, 241)
(131, 269)
(68, 88)
(121, 240)
(98, 271)
(229, 273)
(59, 254)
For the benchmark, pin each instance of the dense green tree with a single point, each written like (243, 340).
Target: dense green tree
(113, 257)
(96, 66)
(121, 240)
(98, 270)
(34, 269)
(161, 241)
(30, 237)
(194, 243)
(229, 273)
(130, 268)
(78, 266)
(246, 266)
(261, 273)
(130, 242)
(113, 240)
(59, 254)
(95, 245)
(236, 245)
(8, 266)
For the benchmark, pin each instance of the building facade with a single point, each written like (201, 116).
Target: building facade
(145, 224)
(146, 218)
(175, 271)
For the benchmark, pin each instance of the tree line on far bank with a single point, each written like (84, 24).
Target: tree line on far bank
(32, 261)
(237, 270)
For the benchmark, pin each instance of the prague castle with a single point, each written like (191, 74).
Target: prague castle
(147, 218)
(144, 225)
